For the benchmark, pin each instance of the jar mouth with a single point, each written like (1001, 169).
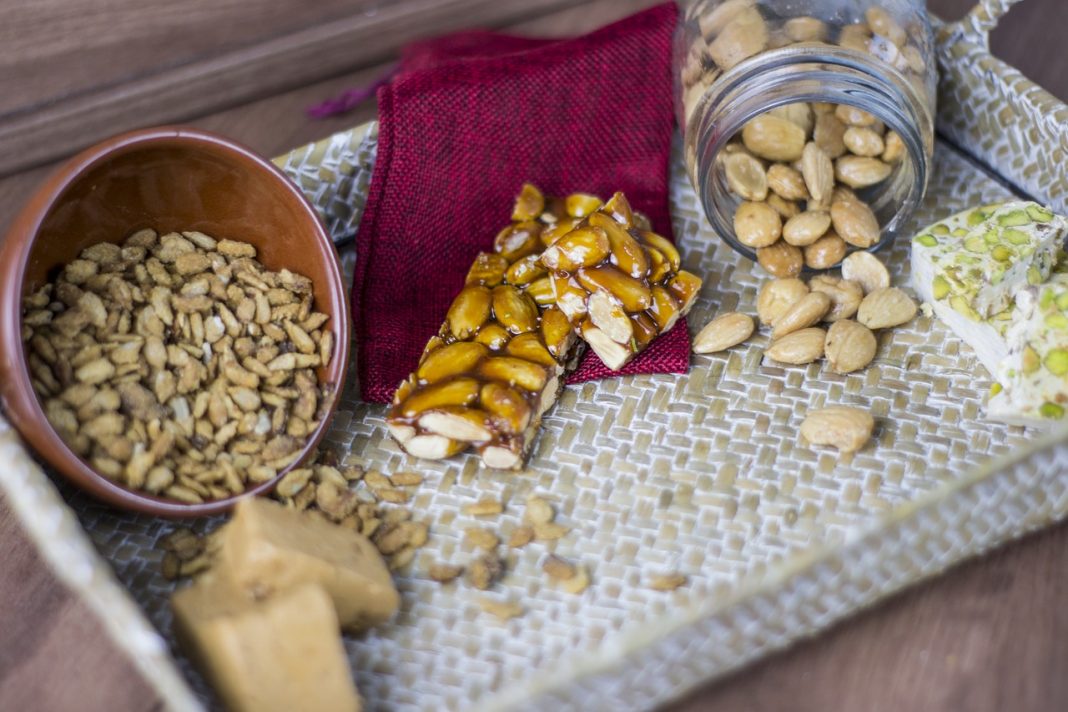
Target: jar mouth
(815, 74)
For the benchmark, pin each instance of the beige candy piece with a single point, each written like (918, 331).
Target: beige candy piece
(280, 654)
(268, 548)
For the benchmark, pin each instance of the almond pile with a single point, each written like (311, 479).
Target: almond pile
(829, 317)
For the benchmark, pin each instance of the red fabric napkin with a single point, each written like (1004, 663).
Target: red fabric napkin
(467, 119)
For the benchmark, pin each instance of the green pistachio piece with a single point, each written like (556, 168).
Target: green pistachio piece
(991, 237)
(995, 389)
(1034, 277)
(1029, 360)
(1016, 237)
(940, 229)
(1051, 410)
(1014, 219)
(1039, 214)
(940, 287)
(976, 243)
(1057, 321)
(1046, 299)
(1003, 315)
(1056, 362)
(927, 240)
(1002, 253)
(959, 232)
(1062, 300)
(961, 306)
(975, 217)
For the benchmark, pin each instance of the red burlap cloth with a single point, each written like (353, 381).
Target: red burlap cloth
(467, 119)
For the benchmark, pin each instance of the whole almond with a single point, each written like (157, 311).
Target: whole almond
(853, 116)
(746, 176)
(865, 269)
(825, 252)
(807, 227)
(850, 346)
(757, 224)
(895, 147)
(774, 138)
(781, 259)
(807, 311)
(723, 332)
(863, 141)
(745, 35)
(805, 29)
(860, 171)
(828, 134)
(798, 347)
(712, 23)
(884, 308)
(839, 426)
(855, 223)
(777, 296)
(785, 208)
(786, 182)
(845, 295)
(799, 113)
(818, 171)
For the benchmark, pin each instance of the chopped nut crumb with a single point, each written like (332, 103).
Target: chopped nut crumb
(444, 573)
(481, 538)
(484, 571)
(484, 508)
(538, 511)
(549, 531)
(522, 536)
(407, 479)
(558, 569)
(505, 610)
(579, 582)
(667, 582)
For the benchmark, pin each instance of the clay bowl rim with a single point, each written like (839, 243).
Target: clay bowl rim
(20, 402)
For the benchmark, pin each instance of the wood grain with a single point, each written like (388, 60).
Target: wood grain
(61, 127)
(54, 653)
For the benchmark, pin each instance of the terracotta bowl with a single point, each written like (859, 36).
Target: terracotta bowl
(171, 179)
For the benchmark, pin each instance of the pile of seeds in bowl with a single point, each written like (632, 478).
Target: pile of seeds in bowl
(178, 364)
(795, 169)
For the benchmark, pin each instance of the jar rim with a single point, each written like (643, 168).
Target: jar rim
(813, 74)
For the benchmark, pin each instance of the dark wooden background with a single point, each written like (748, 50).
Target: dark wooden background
(989, 635)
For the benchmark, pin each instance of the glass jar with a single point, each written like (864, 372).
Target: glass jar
(805, 63)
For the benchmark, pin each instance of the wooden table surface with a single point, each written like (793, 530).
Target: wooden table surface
(989, 635)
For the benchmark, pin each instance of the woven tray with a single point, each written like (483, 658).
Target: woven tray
(703, 474)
